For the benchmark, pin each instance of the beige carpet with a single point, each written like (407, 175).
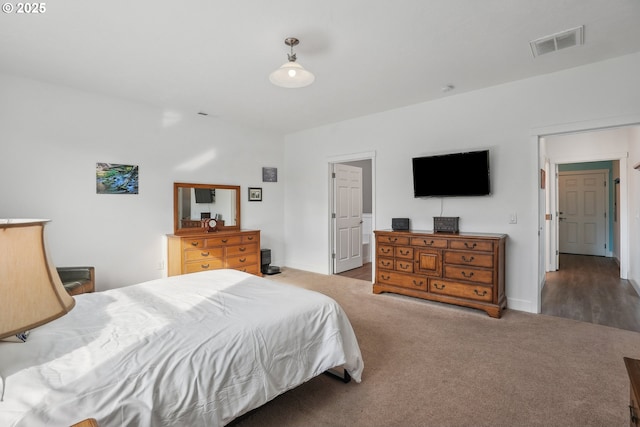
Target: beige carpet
(429, 364)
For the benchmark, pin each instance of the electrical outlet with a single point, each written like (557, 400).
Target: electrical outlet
(513, 218)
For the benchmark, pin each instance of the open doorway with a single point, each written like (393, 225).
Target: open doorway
(352, 216)
(584, 219)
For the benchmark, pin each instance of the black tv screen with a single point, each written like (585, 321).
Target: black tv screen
(448, 175)
(203, 195)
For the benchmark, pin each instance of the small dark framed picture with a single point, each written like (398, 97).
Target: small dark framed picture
(255, 194)
(269, 174)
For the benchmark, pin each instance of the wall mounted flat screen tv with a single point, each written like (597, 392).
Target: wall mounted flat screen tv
(449, 175)
(203, 195)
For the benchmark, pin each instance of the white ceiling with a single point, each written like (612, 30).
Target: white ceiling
(368, 55)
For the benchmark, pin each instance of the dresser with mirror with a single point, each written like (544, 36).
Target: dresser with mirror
(207, 231)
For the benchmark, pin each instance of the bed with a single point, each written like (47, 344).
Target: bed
(199, 349)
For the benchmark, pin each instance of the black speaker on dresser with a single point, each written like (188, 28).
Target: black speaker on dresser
(398, 224)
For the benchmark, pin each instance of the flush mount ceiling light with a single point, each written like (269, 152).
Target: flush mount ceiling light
(291, 74)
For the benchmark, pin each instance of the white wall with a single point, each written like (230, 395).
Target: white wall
(51, 138)
(501, 118)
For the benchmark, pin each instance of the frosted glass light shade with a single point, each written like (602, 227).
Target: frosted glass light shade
(31, 292)
(291, 75)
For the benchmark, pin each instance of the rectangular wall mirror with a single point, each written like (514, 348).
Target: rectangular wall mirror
(192, 203)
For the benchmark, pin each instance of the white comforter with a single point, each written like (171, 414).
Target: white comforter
(192, 350)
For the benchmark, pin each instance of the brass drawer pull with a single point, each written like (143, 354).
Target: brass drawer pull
(385, 250)
(195, 243)
(225, 240)
(385, 277)
(404, 252)
(465, 259)
(242, 249)
(468, 246)
(204, 266)
(417, 283)
(439, 287)
(430, 243)
(467, 275)
(204, 253)
(480, 294)
(392, 239)
(385, 263)
(250, 238)
(404, 266)
(243, 259)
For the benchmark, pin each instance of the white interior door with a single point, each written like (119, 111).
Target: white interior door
(582, 212)
(348, 217)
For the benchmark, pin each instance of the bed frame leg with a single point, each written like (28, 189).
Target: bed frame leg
(335, 374)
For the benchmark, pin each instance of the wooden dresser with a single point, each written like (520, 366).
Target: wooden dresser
(239, 250)
(463, 269)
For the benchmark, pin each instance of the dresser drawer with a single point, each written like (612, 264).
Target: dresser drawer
(468, 273)
(394, 240)
(429, 242)
(193, 243)
(207, 264)
(385, 263)
(472, 245)
(250, 238)
(242, 249)
(201, 254)
(403, 252)
(403, 266)
(400, 279)
(251, 269)
(469, 258)
(385, 250)
(223, 240)
(462, 290)
(241, 260)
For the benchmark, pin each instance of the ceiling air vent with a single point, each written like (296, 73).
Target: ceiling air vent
(561, 40)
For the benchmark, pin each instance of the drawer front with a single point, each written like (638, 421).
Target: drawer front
(469, 258)
(385, 250)
(400, 279)
(394, 240)
(206, 264)
(250, 238)
(385, 263)
(468, 273)
(403, 252)
(404, 266)
(202, 254)
(429, 242)
(223, 240)
(472, 245)
(251, 248)
(462, 290)
(251, 269)
(193, 243)
(242, 260)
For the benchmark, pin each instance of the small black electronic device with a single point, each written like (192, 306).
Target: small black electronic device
(265, 260)
(445, 224)
(398, 224)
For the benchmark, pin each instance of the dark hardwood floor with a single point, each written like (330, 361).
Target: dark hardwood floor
(589, 289)
(586, 288)
(361, 273)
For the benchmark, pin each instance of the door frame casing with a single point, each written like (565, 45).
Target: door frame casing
(368, 155)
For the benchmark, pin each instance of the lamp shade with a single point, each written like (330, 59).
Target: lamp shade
(291, 75)
(31, 293)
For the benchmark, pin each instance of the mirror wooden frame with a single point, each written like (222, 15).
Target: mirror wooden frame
(194, 230)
